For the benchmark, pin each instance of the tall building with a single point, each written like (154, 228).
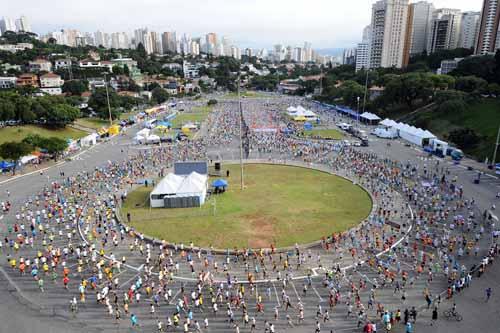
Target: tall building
(389, 26)
(22, 24)
(144, 37)
(169, 42)
(349, 57)
(308, 52)
(211, 43)
(445, 33)
(488, 29)
(362, 56)
(421, 19)
(7, 24)
(469, 29)
(156, 42)
(367, 34)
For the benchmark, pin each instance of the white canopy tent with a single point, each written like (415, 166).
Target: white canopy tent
(409, 133)
(175, 186)
(89, 140)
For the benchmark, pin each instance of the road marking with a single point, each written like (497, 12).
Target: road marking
(129, 280)
(296, 293)
(317, 293)
(276, 292)
(173, 297)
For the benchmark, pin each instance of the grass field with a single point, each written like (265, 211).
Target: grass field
(18, 133)
(280, 205)
(483, 117)
(324, 133)
(195, 115)
(92, 123)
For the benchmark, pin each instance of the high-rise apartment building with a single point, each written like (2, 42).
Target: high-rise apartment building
(169, 42)
(7, 24)
(156, 42)
(23, 24)
(421, 19)
(389, 26)
(362, 56)
(488, 29)
(446, 27)
(469, 29)
(211, 43)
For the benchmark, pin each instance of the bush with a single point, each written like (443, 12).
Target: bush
(212, 102)
(452, 105)
(464, 138)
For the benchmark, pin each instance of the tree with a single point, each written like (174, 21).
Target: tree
(471, 84)
(350, 91)
(464, 137)
(7, 110)
(159, 95)
(74, 87)
(483, 67)
(62, 114)
(117, 70)
(55, 146)
(452, 106)
(14, 151)
(126, 70)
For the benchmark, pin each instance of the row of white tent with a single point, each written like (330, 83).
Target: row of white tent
(407, 132)
(144, 136)
(192, 185)
(300, 111)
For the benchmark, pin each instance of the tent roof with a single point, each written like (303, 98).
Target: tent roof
(175, 184)
(369, 116)
(168, 185)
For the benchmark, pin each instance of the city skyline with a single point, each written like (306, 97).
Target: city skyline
(263, 24)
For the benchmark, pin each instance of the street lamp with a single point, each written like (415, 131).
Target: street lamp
(358, 98)
(107, 97)
(240, 115)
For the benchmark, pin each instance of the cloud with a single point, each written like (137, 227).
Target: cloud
(325, 23)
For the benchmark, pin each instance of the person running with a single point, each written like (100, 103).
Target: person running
(488, 292)
(434, 316)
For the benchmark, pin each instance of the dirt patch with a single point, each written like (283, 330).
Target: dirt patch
(260, 230)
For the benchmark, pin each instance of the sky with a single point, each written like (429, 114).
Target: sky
(249, 23)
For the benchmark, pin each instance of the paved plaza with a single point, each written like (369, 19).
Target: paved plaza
(70, 264)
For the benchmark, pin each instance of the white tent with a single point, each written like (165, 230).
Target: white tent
(144, 132)
(153, 139)
(89, 140)
(409, 133)
(28, 158)
(175, 186)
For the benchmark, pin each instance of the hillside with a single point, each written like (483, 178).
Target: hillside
(482, 117)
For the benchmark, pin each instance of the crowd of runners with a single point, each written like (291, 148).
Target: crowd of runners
(424, 242)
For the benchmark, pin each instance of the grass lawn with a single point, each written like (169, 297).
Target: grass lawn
(18, 133)
(195, 115)
(280, 205)
(93, 123)
(483, 117)
(325, 134)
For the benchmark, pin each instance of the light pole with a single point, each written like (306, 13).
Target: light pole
(493, 162)
(107, 97)
(366, 89)
(240, 115)
(358, 98)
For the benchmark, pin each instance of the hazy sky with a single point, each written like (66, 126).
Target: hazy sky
(325, 23)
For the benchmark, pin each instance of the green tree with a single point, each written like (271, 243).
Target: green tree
(74, 87)
(471, 84)
(61, 115)
(14, 151)
(55, 146)
(117, 70)
(159, 95)
(454, 106)
(7, 110)
(350, 91)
